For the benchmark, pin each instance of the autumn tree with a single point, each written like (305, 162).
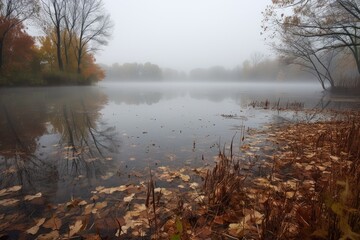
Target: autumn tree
(76, 29)
(19, 53)
(12, 14)
(312, 32)
(52, 21)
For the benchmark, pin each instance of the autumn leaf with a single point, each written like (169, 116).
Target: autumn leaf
(129, 198)
(8, 202)
(74, 229)
(35, 228)
(31, 197)
(236, 229)
(14, 188)
(54, 223)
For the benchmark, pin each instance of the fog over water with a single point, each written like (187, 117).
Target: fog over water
(102, 133)
(184, 34)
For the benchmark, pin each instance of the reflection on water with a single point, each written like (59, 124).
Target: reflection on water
(50, 136)
(64, 141)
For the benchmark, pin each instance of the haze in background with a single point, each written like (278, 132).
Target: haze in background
(184, 34)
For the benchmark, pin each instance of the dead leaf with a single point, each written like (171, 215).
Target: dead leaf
(14, 188)
(236, 229)
(35, 228)
(54, 223)
(8, 202)
(219, 220)
(31, 197)
(184, 177)
(100, 205)
(194, 185)
(75, 228)
(129, 198)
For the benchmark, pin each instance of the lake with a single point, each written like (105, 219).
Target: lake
(63, 142)
(58, 140)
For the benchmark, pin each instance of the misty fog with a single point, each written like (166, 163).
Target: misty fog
(206, 119)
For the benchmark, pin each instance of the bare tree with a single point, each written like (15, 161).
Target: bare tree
(71, 18)
(13, 13)
(327, 26)
(94, 28)
(54, 11)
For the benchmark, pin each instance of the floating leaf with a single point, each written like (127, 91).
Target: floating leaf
(31, 197)
(194, 185)
(35, 228)
(8, 202)
(54, 223)
(100, 205)
(129, 198)
(14, 188)
(75, 228)
(184, 177)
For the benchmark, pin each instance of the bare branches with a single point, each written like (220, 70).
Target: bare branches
(325, 27)
(80, 26)
(94, 28)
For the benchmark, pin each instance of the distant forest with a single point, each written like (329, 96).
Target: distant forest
(255, 69)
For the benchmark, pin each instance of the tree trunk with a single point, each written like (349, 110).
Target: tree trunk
(1, 55)
(58, 50)
(79, 61)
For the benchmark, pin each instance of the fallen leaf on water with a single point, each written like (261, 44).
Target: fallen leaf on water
(54, 223)
(88, 209)
(112, 190)
(3, 192)
(35, 228)
(14, 188)
(184, 177)
(129, 198)
(82, 203)
(31, 197)
(100, 205)
(75, 228)
(8, 202)
(194, 185)
(163, 191)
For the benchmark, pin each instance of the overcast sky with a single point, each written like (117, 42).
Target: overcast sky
(184, 34)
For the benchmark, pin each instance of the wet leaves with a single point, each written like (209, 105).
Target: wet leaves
(35, 228)
(31, 197)
(74, 229)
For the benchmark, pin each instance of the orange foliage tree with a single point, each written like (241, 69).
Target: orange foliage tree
(91, 72)
(18, 48)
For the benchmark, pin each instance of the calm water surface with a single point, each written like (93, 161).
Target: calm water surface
(65, 141)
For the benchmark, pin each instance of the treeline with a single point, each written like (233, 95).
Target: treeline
(263, 70)
(64, 54)
(141, 72)
(250, 70)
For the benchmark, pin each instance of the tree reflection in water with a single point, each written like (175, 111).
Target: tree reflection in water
(85, 148)
(47, 145)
